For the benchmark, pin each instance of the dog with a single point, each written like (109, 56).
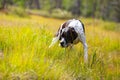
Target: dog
(70, 33)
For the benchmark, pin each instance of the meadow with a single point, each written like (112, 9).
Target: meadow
(24, 52)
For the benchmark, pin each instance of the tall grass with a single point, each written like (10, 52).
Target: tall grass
(24, 52)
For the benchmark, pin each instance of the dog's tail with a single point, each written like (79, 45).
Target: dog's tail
(54, 40)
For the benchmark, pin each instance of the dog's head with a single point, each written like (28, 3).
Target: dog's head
(67, 36)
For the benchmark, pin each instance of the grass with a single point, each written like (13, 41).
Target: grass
(24, 52)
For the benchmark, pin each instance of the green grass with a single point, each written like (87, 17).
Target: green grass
(24, 52)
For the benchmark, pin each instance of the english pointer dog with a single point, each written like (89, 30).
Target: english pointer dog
(71, 32)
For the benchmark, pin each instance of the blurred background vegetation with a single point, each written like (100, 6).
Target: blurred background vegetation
(102, 9)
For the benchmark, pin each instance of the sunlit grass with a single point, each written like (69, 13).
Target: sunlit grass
(24, 52)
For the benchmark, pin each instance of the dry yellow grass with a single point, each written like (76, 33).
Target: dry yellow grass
(25, 54)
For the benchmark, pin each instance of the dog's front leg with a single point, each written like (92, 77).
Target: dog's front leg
(85, 52)
(83, 41)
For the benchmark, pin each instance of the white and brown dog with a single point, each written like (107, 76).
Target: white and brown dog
(71, 32)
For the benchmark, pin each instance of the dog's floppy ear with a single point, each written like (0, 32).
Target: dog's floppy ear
(73, 34)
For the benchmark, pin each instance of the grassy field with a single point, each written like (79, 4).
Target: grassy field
(24, 52)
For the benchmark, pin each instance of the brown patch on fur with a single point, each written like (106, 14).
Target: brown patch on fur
(66, 24)
(69, 36)
(73, 34)
(63, 26)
